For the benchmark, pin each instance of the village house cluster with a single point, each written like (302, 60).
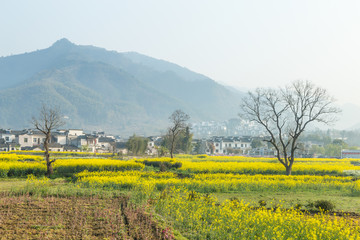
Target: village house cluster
(76, 140)
(72, 140)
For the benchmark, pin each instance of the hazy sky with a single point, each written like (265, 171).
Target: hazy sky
(246, 44)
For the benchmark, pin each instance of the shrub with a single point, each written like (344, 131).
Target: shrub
(164, 165)
(298, 206)
(324, 205)
(262, 203)
(192, 196)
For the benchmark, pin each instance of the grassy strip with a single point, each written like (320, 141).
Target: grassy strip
(199, 216)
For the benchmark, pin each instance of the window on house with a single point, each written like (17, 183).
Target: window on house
(34, 140)
(242, 145)
(25, 140)
(229, 144)
(217, 144)
(216, 150)
(235, 145)
(7, 138)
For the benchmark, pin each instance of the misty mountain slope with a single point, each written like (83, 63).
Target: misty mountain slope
(164, 66)
(213, 100)
(104, 90)
(16, 69)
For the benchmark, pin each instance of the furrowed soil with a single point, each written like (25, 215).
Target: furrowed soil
(28, 217)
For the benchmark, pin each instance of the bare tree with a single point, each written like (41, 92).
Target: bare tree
(285, 113)
(49, 119)
(178, 120)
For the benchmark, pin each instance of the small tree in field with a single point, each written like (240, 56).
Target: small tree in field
(137, 145)
(286, 112)
(49, 119)
(178, 126)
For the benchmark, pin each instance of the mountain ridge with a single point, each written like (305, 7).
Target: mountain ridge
(98, 89)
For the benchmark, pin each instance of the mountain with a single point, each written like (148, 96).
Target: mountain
(123, 93)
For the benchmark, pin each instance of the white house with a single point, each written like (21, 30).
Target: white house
(105, 144)
(75, 132)
(59, 138)
(4, 146)
(224, 145)
(31, 139)
(7, 135)
(56, 147)
(88, 141)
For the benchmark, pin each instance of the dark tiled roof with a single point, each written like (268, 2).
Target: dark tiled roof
(28, 148)
(55, 145)
(106, 139)
(18, 132)
(70, 147)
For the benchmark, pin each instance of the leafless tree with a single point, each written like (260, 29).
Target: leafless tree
(49, 119)
(286, 112)
(178, 121)
(211, 147)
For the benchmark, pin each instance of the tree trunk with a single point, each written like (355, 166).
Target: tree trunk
(50, 170)
(171, 150)
(172, 146)
(49, 167)
(288, 170)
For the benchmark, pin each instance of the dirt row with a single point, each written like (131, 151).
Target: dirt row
(27, 217)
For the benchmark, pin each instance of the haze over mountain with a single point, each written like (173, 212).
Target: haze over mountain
(349, 118)
(97, 89)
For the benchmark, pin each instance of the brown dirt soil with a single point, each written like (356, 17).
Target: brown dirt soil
(26, 217)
